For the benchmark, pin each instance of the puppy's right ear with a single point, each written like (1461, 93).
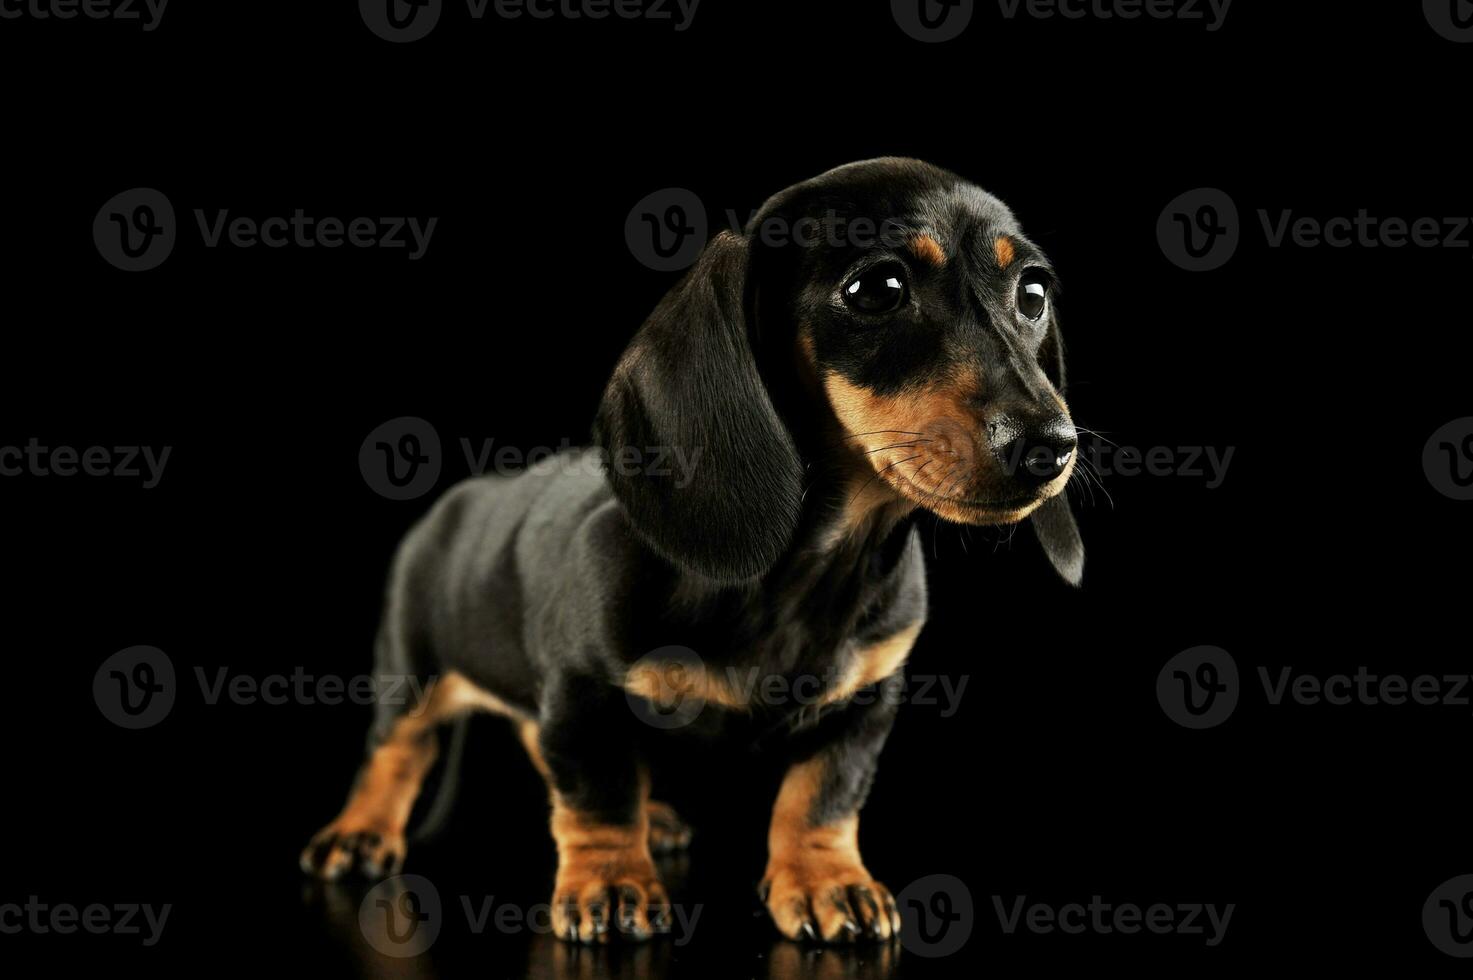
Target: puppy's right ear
(687, 394)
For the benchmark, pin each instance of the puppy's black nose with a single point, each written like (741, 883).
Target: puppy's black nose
(1040, 456)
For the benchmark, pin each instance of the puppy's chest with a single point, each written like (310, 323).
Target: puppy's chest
(775, 675)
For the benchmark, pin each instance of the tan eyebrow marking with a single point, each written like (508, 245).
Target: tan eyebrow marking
(928, 249)
(1002, 246)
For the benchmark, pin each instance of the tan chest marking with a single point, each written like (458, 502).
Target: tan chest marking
(669, 683)
(875, 662)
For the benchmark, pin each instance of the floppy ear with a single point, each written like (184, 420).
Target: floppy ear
(688, 388)
(1054, 523)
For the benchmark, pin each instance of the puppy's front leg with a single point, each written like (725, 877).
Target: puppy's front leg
(816, 887)
(606, 878)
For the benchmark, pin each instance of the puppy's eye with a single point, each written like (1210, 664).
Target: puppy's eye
(880, 289)
(1033, 293)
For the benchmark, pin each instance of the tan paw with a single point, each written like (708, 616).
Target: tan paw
(823, 899)
(601, 894)
(345, 846)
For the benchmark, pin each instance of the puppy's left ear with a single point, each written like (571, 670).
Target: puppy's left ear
(1054, 523)
(688, 389)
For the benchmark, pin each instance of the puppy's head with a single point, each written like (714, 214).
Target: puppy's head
(927, 319)
(919, 324)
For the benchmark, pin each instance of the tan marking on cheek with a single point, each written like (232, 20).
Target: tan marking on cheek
(1002, 247)
(928, 249)
(805, 347)
(889, 428)
(876, 662)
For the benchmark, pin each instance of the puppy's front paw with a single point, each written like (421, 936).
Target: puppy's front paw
(344, 846)
(601, 892)
(822, 898)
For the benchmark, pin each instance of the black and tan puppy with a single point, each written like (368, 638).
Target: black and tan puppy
(883, 340)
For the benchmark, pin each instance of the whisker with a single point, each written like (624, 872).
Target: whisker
(898, 445)
(877, 475)
(1095, 477)
(876, 432)
(1098, 435)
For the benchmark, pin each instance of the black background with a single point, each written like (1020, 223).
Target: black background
(1059, 777)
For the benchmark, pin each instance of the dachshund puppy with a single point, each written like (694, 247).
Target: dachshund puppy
(882, 341)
